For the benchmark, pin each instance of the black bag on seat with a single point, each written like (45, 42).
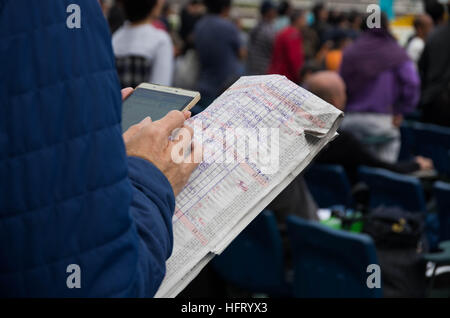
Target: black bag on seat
(394, 227)
(399, 239)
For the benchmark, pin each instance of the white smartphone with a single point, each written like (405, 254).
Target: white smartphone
(156, 102)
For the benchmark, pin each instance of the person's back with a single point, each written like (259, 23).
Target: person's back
(382, 85)
(217, 43)
(260, 49)
(150, 43)
(435, 72)
(288, 54)
(78, 217)
(262, 38)
(385, 94)
(41, 183)
(139, 39)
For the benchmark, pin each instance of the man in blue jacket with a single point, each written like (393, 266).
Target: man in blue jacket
(81, 215)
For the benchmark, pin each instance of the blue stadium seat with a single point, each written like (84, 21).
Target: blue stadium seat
(442, 193)
(329, 185)
(330, 263)
(392, 189)
(427, 140)
(254, 260)
(434, 142)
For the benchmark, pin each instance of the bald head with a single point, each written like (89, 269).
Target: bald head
(329, 86)
(423, 24)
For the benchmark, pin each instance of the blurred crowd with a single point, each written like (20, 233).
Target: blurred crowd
(204, 47)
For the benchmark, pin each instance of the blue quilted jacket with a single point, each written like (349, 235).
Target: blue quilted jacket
(68, 193)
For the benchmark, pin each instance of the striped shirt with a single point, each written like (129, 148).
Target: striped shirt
(262, 38)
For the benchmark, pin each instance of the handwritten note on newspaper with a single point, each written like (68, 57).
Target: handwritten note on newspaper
(228, 191)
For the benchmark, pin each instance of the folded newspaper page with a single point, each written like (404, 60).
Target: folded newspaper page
(257, 138)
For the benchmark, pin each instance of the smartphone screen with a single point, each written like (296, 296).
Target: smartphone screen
(146, 102)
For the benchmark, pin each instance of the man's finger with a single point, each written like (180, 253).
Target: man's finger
(175, 119)
(133, 130)
(187, 114)
(126, 92)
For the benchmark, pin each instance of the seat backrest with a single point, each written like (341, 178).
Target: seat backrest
(442, 193)
(330, 263)
(434, 142)
(254, 260)
(391, 189)
(329, 185)
(133, 70)
(427, 140)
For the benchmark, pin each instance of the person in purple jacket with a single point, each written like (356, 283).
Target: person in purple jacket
(382, 85)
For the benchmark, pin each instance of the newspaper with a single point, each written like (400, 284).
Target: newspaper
(231, 187)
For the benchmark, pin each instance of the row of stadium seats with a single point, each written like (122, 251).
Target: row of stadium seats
(322, 264)
(320, 259)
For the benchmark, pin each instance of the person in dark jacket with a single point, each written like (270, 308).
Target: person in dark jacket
(434, 67)
(219, 49)
(262, 38)
(346, 150)
(84, 211)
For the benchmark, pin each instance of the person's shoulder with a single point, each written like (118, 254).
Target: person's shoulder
(231, 26)
(287, 30)
(161, 35)
(119, 37)
(153, 35)
(118, 34)
(201, 24)
(223, 23)
(289, 33)
(439, 34)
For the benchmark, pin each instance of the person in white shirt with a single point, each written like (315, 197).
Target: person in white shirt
(423, 24)
(140, 38)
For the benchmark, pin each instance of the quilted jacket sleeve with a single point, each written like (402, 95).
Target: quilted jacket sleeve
(151, 209)
(77, 217)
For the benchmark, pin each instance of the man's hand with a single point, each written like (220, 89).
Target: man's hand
(424, 163)
(126, 92)
(151, 141)
(397, 120)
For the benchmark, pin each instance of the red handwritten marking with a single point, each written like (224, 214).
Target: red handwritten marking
(316, 121)
(243, 186)
(191, 227)
(244, 86)
(254, 174)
